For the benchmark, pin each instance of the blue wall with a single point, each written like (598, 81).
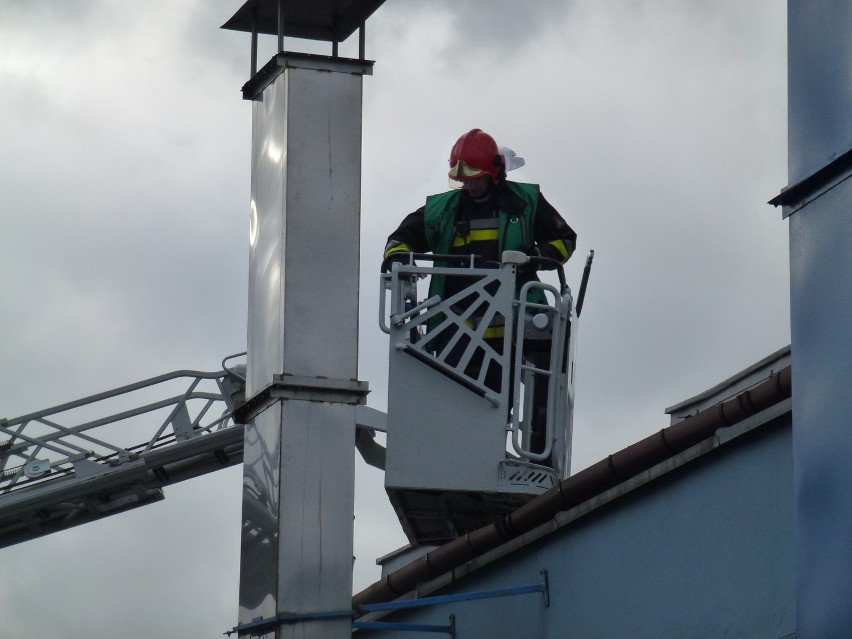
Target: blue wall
(820, 83)
(820, 216)
(703, 551)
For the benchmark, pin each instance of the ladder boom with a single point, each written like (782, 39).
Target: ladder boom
(113, 451)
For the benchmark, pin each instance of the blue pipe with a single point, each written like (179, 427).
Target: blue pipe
(464, 596)
(260, 622)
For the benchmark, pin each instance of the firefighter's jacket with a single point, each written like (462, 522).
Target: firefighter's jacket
(516, 217)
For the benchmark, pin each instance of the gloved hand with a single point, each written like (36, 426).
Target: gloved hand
(401, 257)
(531, 250)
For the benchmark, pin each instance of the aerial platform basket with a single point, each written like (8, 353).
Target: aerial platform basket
(480, 394)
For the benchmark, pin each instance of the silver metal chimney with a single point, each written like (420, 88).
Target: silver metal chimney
(302, 386)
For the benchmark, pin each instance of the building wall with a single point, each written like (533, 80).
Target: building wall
(820, 138)
(821, 278)
(820, 84)
(703, 551)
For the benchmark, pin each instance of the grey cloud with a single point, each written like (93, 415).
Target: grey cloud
(501, 26)
(54, 24)
(124, 247)
(486, 32)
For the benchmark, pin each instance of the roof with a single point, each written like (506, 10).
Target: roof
(731, 386)
(585, 486)
(328, 20)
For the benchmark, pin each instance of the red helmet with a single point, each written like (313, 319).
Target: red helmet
(475, 154)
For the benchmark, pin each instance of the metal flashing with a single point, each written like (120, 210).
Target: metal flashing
(313, 389)
(796, 196)
(733, 385)
(253, 89)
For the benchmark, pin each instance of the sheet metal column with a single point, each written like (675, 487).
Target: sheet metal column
(302, 346)
(819, 206)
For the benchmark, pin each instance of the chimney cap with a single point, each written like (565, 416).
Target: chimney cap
(326, 20)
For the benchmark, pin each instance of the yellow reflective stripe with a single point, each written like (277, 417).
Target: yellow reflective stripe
(491, 332)
(476, 235)
(494, 331)
(398, 248)
(560, 246)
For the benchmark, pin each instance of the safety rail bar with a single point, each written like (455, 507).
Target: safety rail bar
(457, 331)
(54, 442)
(559, 316)
(471, 261)
(413, 308)
(404, 274)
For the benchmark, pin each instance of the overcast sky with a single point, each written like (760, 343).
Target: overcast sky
(657, 128)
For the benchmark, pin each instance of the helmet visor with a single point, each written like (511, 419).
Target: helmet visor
(461, 172)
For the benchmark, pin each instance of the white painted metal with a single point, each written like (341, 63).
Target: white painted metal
(447, 424)
(303, 313)
(446, 429)
(552, 323)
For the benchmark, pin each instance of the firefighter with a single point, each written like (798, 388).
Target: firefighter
(483, 215)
